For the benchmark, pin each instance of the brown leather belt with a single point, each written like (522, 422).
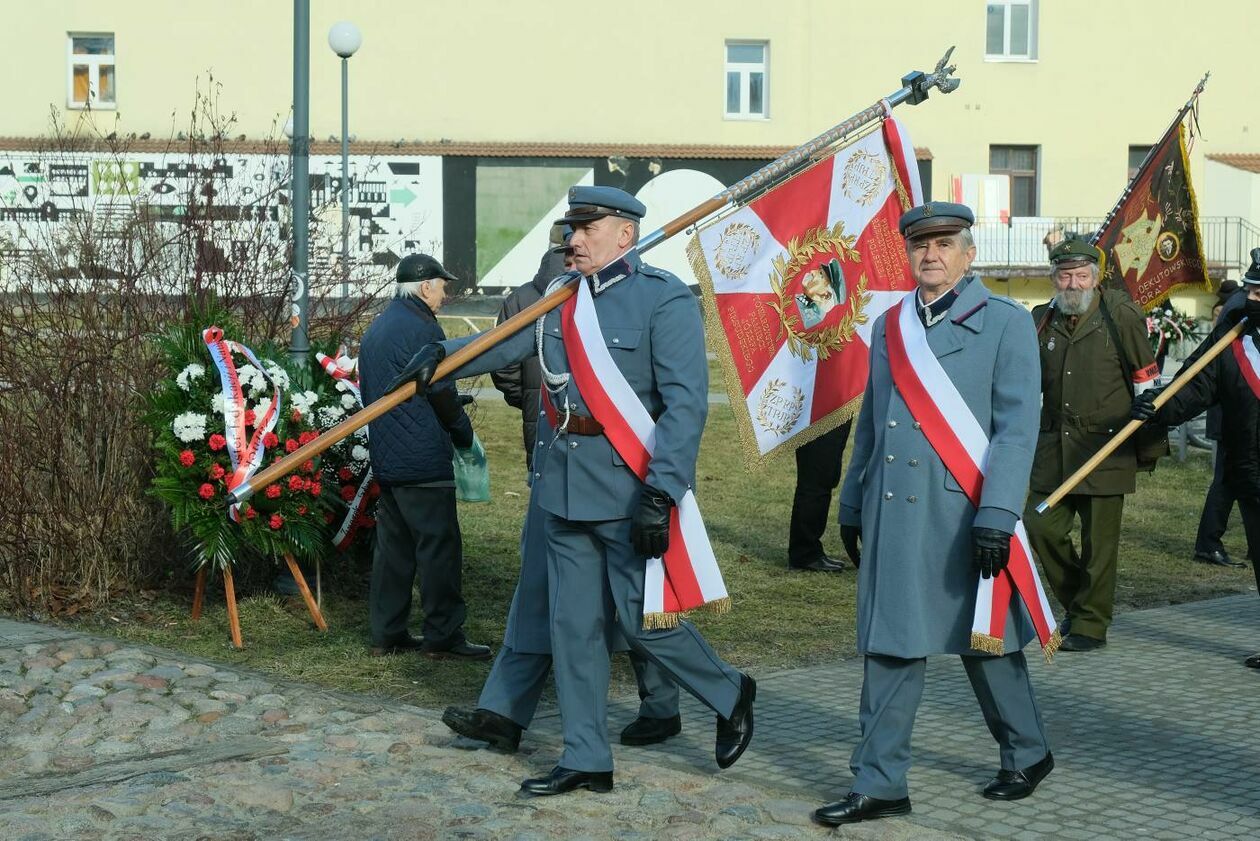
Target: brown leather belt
(582, 425)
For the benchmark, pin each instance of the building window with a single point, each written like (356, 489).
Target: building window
(1010, 30)
(1019, 163)
(747, 91)
(1137, 154)
(91, 82)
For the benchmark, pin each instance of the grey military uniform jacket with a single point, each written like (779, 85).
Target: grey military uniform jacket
(652, 328)
(916, 584)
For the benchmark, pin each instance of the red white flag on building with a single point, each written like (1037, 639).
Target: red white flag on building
(794, 281)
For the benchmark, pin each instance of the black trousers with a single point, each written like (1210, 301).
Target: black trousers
(417, 531)
(1216, 508)
(1250, 510)
(817, 476)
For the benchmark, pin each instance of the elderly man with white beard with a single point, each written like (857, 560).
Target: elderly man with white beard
(1095, 357)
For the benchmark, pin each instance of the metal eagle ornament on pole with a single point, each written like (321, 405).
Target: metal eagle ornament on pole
(915, 87)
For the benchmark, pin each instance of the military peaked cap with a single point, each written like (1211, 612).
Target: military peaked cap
(589, 203)
(935, 217)
(1073, 252)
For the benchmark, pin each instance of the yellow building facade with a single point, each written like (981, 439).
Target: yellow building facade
(1059, 95)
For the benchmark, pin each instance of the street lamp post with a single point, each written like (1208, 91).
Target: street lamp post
(300, 189)
(345, 40)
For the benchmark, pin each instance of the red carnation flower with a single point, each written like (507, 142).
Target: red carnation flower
(272, 491)
(251, 512)
(276, 521)
(315, 488)
(345, 474)
(217, 471)
(308, 466)
(347, 492)
(206, 491)
(290, 445)
(250, 417)
(295, 483)
(187, 458)
(301, 509)
(217, 442)
(270, 439)
(307, 437)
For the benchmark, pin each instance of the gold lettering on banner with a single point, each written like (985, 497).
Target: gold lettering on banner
(735, 250)
(864, 175)
(779, 407)
(888, 253)
(752, 334)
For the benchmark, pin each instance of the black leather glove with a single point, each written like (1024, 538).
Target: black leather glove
(649, 527)
(990, 550)
(420, 369)
(1143, 408)
(851, 537)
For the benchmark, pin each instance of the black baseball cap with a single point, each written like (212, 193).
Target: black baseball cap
(421, 267)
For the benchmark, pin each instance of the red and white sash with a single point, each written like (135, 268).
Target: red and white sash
(246, 452)
(1248, 358)
(962, 444)
(688, 576)
(357, 507)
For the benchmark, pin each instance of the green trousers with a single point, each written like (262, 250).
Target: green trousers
(1084, 580)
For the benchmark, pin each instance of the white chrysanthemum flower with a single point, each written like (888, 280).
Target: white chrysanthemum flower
(278, 375)
(249, 376)
(191, 372)
(189, 427)
(342, 385)
(217, 403)
(359, 453)
(348, 401)
(361, 432)
(262, 407)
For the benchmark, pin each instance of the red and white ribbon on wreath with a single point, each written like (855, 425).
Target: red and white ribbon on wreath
(246, 452)
(358, 505)
(1248, 358)
(688, 576)
(962, 444)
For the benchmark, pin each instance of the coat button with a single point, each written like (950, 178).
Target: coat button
(537, 475)
(572, 407)
(912, 499)
(890, 458)
(892, 424)
(914, 462)
(616, 341)
(573, 445)
(918, 425)
(888, 495)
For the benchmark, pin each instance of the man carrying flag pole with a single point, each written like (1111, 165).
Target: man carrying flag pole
(929, 512)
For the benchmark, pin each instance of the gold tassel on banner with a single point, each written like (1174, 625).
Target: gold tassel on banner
(1048, 650)
(987, 643)
(665, 621)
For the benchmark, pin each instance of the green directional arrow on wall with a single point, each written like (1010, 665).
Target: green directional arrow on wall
(403, 196)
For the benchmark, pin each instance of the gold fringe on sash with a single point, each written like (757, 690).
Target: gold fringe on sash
(987, 643)
(664, 621)
(1048, 650)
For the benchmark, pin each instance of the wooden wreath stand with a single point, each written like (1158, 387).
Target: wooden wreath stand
(229, 590)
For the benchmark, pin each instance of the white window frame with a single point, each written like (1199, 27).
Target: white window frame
(1006, 54)
(745, 71)
(94, 64)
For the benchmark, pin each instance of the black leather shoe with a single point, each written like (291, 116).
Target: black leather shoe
(823, 563)
(484, 726)
(1016, 785)
(1080, 642)
(1220, 559)
(734, 733)
(563, 781)
(398, 645)
(649, 731)
(463, 650)
(859, 807)
(1252, 662)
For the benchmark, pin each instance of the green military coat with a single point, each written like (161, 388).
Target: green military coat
(1084, 397)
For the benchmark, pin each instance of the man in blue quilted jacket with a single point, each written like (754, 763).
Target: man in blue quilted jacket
(417, 526)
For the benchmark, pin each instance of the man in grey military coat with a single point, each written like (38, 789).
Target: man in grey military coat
(919, 543)
(601, 522)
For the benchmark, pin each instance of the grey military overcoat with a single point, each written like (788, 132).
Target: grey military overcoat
(916, 584)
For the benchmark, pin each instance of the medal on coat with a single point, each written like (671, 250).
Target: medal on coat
(1050, 344)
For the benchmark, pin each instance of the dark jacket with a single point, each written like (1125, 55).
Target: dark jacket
(1221, 383)
(521, 384)
(411, 443)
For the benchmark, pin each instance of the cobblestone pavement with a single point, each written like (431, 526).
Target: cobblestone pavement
(1156, 736)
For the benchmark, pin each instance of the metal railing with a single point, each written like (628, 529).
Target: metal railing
(1021, 241)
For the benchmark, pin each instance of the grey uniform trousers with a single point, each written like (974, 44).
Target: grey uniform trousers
(594, 571)
(891, 690)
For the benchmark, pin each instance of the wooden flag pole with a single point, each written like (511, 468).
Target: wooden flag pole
(914, 89)
(1132, 426)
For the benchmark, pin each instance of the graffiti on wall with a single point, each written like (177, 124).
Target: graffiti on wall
(395, 203)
